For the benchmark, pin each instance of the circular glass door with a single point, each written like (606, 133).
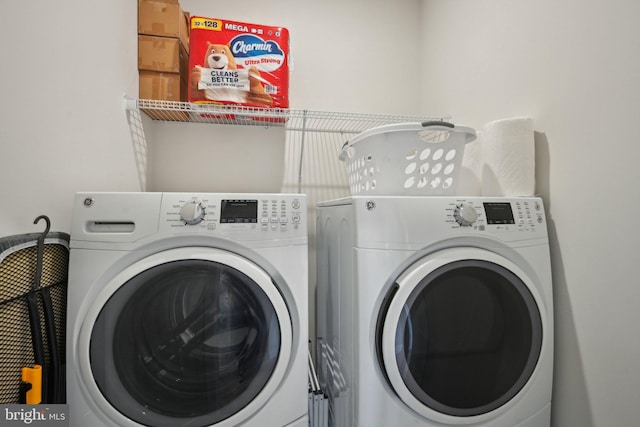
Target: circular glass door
(460, 337)
(188, 341)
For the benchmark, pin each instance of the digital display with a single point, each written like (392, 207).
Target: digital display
(239, 212)
(498, 213)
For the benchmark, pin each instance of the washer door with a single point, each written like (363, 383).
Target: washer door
(188, 336)
(460, 334)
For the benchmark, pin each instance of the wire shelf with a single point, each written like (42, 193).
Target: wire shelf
(291, 120)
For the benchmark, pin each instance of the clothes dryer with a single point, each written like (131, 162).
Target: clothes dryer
(188, 310)
(435, 311)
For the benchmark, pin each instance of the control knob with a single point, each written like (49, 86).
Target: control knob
(192, 213)
(465, 214)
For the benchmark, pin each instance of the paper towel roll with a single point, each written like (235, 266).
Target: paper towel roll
(508, 155)
(470, 175)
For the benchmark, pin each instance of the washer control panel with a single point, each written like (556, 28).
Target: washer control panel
(233, 213)
(495, 215)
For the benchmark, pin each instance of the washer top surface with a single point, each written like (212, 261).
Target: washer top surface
(275, 218)
(403, 222)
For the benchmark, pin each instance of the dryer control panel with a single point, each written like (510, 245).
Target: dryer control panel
(393, 222)
(496, 215)
(234, 213)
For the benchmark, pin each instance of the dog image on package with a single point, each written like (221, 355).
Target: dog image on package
(238, 63)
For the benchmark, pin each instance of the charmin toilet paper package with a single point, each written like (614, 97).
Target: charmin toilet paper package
(238, 63)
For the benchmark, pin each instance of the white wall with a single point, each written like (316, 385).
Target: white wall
(574, 67)
(64, 70)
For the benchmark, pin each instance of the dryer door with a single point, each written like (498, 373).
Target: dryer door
(190, 336)
(460, 334)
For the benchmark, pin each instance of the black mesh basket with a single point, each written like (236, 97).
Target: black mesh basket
(18, 266)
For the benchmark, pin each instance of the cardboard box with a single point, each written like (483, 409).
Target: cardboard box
(163, 54)
(164, 87)
(163, 18)
(238, 63)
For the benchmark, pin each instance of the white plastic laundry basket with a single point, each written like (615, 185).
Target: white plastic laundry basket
(406, 159)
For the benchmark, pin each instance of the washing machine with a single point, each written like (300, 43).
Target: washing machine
(435, 311)
(188, 310)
